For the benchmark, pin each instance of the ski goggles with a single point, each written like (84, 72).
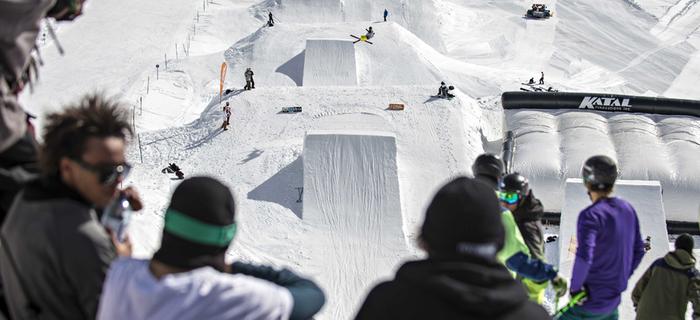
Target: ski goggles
(508, 197)
(106, 173)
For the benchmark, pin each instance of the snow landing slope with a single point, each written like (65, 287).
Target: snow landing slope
(329, 62)
(262, 158)
(351, 194)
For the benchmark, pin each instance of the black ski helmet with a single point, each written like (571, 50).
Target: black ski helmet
(515, 182)
(488, 164)
(451, 87)
(600, 172)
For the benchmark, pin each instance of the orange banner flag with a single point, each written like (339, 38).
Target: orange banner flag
(224, 67)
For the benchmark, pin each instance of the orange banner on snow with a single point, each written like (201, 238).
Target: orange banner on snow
(224, 67)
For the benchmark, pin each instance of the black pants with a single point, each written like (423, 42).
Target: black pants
(249, 84)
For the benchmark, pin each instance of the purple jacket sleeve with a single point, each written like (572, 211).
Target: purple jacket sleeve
(586, 231)
(638, 247)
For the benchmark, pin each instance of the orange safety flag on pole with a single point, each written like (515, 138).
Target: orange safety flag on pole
(224, 67)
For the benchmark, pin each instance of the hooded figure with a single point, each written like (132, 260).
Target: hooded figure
(461, 278)
(665, 289)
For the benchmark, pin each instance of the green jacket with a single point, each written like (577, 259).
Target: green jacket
(666, 287)
(514, 241)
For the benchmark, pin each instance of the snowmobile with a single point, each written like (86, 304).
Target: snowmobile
(539, 11)
(173, 168)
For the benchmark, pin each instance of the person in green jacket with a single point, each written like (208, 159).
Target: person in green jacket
(527, 211)
(534, 273)
(665, 289)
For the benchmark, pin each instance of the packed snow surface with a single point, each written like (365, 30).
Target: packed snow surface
(329, 62)
(647, 47)
(351, 189)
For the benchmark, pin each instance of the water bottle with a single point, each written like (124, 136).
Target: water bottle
(116, 216)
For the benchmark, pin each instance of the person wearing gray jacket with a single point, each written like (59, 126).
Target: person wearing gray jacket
(55, 253)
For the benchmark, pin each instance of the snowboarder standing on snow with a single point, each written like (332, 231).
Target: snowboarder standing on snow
(386, 14)
(249, 82)
(610, 245)
(370, 33)
(270, 20)
(227, 112)
(542, 78)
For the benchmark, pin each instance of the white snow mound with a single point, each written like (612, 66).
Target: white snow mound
(330, 62)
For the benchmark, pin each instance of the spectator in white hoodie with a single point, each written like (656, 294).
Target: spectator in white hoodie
(187, 278)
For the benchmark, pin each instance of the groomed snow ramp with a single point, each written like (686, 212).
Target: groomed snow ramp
(351, 193)
(645, 197)
(330, 62)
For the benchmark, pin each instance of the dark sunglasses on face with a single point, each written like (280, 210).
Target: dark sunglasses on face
(106, 173)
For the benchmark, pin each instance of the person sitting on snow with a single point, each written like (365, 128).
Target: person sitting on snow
(370, 33)
(532, 81)
(442, 90)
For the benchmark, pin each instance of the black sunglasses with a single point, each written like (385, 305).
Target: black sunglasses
(107, 173)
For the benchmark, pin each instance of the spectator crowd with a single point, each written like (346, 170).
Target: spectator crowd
(483, 235)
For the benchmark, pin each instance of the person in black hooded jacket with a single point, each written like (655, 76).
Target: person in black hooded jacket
(461, 278)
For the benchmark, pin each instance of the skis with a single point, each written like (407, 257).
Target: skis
(363, 38)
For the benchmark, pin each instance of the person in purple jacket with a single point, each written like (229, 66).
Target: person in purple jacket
(610, 246)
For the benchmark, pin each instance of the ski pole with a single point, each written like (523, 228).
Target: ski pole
(574, 300)
(52, 33)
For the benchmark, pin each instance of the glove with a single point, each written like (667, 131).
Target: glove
(578, 297)
(559, 285)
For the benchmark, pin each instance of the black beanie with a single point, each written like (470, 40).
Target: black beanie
(464, 218)
(205, 202)
(685, 242)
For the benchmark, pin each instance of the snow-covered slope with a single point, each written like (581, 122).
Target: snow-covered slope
(481, 47)
(352, 197)
(260, 158)
(329, 62)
